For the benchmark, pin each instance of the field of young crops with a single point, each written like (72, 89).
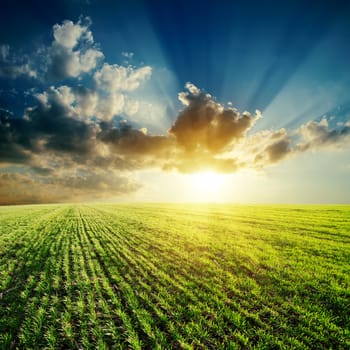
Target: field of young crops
(174, 276)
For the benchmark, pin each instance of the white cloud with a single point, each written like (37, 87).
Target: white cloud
(113, 83)
(86, 103)
(83, 103)
(113, 78)
(68, 34)
(132, 107)
(72, 52)
(89, 59)
(110, 106)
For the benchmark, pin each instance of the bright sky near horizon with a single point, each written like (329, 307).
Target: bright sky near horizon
(225, 101)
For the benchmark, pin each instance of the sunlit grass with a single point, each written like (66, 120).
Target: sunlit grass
(174, 276)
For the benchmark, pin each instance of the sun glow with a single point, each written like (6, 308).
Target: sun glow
(204, 187)
(207, 186)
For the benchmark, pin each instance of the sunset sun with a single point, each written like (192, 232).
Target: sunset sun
(207, 185)
(207, 181)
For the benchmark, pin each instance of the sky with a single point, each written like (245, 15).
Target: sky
(174, 101)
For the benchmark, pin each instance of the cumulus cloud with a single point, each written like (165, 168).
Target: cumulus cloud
(316, 135)
(205, 125)
(68, 33)
(113, 78)
(69, 143)
(204, 130)
(72, 52)
(112, 83)
(81, 102)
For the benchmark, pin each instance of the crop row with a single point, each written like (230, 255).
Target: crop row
(160, 277)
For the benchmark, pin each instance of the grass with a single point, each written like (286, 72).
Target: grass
(174, 277)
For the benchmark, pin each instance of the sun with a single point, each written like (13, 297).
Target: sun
(207, 180)
(207, 186)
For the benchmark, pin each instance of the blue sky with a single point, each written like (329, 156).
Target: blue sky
(114, 72)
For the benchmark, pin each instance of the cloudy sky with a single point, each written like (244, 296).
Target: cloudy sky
(234, 101)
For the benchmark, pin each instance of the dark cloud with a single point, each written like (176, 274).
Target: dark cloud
(13, 141)
(23, 188)
(16, 188)
(53, 133)
(135, 143)
(316, 135)
(271, 147)
(45, 128)
(278, 150)
(204, 130)
(205, 125)
(52, 130)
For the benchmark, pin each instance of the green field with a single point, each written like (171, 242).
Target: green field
(174, 277)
